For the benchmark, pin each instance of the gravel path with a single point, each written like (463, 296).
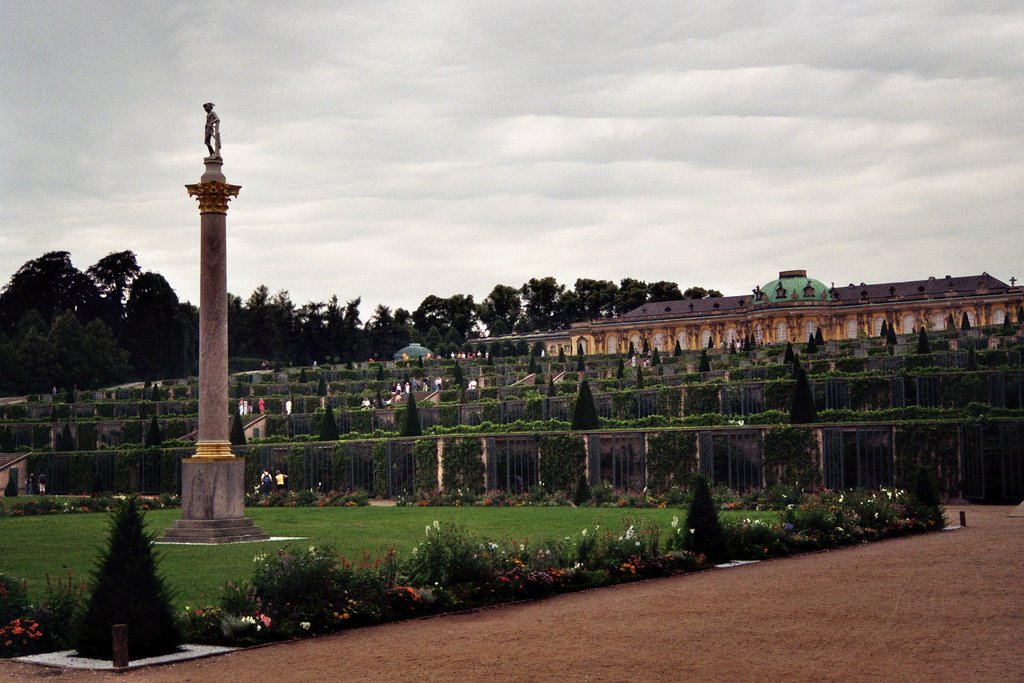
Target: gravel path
(942, 607)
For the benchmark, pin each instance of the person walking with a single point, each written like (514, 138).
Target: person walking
(281, 478)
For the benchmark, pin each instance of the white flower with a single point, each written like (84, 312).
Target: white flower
(630, 533)
(693, 531)
(675, 521)
(437, 525)
(583, 533)
(312, 548)
(249, 620)
(304, 625)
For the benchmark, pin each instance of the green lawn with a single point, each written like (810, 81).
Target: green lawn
(32, 547)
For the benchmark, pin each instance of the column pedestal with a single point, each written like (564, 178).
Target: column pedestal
(213, 504)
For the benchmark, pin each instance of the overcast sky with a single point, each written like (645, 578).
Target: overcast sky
(391, 150)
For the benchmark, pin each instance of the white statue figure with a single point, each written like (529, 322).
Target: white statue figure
(212, 130)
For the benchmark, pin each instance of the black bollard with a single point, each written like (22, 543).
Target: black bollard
(119, 636)
(963, 518)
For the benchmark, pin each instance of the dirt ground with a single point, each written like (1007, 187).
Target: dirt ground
(942, 607)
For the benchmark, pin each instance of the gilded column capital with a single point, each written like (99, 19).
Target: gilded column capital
(213, 196)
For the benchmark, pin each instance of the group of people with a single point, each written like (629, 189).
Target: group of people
(268, 483)
(245, 407)
(36, 484)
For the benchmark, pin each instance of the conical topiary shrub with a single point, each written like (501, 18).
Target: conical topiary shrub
(411, 423)
(678, 350)
(705, 364)
(237, 437)
(584, 414)
(328, 428)
(965, 322)
(126, 589)
(154, 437)
(788, 356)
(704, 533)
(803, 410)
(923, 346)
(582, 495)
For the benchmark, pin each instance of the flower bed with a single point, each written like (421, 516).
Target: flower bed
(297, 592)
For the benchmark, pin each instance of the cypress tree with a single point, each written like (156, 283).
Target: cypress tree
(580, 367)
(788, 357)
(965, 322)
(1006, 323)
(711, 341)
(705, 364)
(411, 424)
(632, 351)
(302, 376)
(490, 359)
(1020, 315)
(155, 393)
(890, 336)
(922, 341)
(551, 387)
(419, 361)
(154, 437)
(972, 361)
(584, 414)
(655, 358)
(819, 338)
(11, 490)
(646, 347)
(380, 372)
(732, 347)
(678, 350)
(561, 355)
(329, 428)
(237, 437)
(706, 535)
(884, 332)
(457, 375)
(802, 410)
(321, 386)
(639, 377)
(126, 589)
(620, 370)
(950, 322)
(532, 369)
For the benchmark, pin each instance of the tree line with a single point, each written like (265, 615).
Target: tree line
(63, 327)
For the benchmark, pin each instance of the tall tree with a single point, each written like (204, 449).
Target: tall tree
(663, 290)
(542, 304)
(49, 284)
(113, 276)
(632, 294)
(155, 333)
(501, 310)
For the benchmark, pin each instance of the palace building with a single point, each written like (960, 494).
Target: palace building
(791, 307)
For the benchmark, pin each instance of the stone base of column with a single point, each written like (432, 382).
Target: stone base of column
(213, 504)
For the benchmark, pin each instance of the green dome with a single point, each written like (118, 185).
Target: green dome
(412, 351)
(791, 285)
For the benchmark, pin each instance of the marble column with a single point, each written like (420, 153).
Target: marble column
(213, 480)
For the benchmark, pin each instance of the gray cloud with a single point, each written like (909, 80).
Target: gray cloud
(394, 150)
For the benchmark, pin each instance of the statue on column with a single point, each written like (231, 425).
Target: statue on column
(212, 130)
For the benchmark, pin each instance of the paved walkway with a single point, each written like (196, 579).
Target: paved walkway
(943, 607)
